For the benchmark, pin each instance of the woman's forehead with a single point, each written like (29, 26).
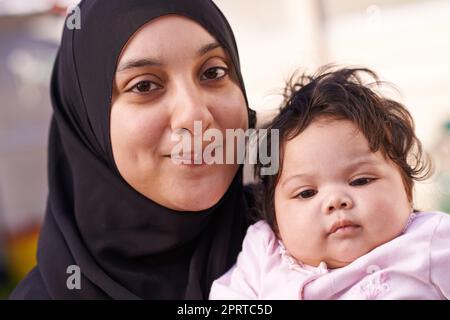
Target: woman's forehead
(165, 36)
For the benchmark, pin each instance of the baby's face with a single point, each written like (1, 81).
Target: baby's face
(336, 200)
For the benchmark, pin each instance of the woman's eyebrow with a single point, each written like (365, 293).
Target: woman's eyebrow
(138, 63)
(208, 47)
(146, 62)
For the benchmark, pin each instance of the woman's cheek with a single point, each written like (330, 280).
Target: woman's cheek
(144, 129)
(232, 111)
(134, 133)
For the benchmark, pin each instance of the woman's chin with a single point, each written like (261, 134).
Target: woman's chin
(196, 200)
(187, 198)
(192, 191)
(203, 192)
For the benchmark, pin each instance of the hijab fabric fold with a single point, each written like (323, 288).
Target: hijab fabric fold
(126, 245)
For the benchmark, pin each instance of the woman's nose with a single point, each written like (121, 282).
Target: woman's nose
(189, 106)
(337, 202)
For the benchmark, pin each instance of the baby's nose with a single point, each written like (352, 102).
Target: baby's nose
(337, 202)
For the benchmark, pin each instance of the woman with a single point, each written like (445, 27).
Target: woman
(137, 225)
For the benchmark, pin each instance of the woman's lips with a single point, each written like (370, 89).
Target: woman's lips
(343, 227)
(192, 159)
(188, 158)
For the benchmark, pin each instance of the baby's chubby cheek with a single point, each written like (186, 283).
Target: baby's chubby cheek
(385, 223)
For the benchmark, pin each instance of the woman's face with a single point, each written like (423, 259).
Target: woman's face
(171, 73)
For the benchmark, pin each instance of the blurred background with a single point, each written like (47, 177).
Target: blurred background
(407, 42)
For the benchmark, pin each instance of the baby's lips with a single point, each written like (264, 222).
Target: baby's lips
(341, 224)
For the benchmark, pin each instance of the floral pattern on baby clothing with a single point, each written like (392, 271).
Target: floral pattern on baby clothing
(374, 286)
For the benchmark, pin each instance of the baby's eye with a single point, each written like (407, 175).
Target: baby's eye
(214, 73)
(361, 181)
(145, 86)
(307, 194)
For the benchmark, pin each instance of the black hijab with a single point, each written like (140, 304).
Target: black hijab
(126, 246)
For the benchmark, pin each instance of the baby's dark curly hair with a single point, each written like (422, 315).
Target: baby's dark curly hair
(342, 94)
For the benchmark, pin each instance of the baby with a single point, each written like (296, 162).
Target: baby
(338, 218)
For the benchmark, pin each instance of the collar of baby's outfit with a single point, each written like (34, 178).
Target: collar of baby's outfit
(294, 264)
(412, 215)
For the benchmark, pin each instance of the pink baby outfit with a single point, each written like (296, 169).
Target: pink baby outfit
(415, 265)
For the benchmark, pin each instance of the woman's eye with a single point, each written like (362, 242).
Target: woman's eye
(145, 87)
(361, 181)
(307, 194)
(214, 73)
